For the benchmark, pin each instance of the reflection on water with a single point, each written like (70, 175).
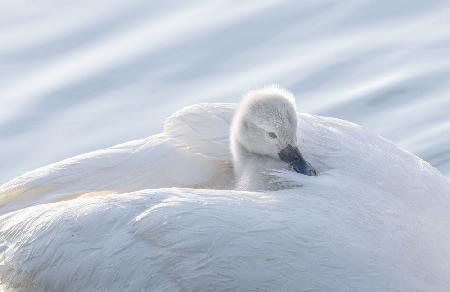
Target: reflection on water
(77, 77)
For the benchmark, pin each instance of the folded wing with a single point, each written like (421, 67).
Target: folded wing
(192, 152)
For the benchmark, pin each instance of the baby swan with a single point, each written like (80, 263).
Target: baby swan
(264, 133)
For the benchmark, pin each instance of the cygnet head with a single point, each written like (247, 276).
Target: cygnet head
(265, 125)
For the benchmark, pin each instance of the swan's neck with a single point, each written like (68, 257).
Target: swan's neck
(251, 169)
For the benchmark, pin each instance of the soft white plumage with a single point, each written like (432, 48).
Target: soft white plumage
(376, 219)
(189, 153)
(264, 127)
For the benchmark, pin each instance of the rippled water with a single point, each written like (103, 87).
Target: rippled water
(80, 75)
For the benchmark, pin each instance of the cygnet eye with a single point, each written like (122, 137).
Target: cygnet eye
(272, 135)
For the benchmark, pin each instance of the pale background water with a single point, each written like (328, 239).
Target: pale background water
(76, 76)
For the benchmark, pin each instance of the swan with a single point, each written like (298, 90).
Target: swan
(172, 212)
(263, 134)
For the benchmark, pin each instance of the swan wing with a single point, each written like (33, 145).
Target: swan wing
(193, 150)
(333, 145)
(203, 129)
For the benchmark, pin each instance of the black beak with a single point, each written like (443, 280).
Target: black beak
(293, 156)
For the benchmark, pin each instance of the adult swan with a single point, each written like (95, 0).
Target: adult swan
(169, 213)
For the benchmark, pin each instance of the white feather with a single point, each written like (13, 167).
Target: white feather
(203, 129)
(375, 219)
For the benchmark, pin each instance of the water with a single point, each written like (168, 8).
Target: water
(78, 76)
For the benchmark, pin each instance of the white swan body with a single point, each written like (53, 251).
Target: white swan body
(375, 219)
